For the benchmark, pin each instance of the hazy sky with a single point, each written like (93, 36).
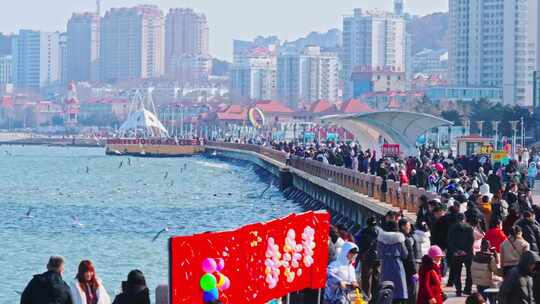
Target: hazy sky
(228, 19)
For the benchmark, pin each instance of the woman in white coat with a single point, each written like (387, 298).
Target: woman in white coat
(87, 288)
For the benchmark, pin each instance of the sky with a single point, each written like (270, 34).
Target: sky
(228, 19)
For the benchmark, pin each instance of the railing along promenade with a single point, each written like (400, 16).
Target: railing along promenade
(404, 197)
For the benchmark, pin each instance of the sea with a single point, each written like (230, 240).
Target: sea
(83, 205)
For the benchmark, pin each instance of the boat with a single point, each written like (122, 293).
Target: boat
(142, 134)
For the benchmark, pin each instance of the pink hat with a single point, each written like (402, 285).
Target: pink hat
(435, 252)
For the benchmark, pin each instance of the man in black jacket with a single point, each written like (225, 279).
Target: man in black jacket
(48, 287)
(460, 252)
(517, 287)
(367, 252)
(409, 263)
(531, 230)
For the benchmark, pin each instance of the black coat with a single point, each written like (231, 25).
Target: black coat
(531, 233)
(517, 287)
(460, 238)
(135, 295)
(46, 288)
(367, 245)
(439, 233)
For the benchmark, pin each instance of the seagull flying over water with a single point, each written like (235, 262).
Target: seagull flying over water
(166, 229)
(166, 175)
(28, 213)
(121, 164)
(76, 222)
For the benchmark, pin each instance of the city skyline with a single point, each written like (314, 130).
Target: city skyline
(260, 16)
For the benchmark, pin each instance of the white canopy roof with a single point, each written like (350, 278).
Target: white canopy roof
(144, 121)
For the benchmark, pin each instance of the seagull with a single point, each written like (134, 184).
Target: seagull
(166, 229)
(121, 164)
(18, 292)
(172, 183)
(166, 175)
(76, 222)
(28, 213)
(129, 161)
(87, 170)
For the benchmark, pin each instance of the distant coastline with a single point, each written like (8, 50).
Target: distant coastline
(40, 140)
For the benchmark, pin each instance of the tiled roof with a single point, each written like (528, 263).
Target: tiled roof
(355, 106)
(273, 106)
(322, 106)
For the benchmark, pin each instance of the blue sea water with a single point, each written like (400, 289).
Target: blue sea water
(111, 213)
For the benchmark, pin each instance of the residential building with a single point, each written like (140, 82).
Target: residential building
(63, 60)
(368, 80)
(308, 76)
(6, 69)
(399, 7)
(374, 39)
(536, 95)
(242, 47)
(191, 68)
(5, 44)
(186, 35)
(464, 93)
(132, 43)
(430, 62)
(492, 44)
(83, 47)
(253, 75)
(36, 59)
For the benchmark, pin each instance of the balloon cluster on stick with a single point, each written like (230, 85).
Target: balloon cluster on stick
(213, 281)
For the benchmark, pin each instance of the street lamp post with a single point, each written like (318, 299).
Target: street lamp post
(514, 124)
(495, 126)
(522, 133)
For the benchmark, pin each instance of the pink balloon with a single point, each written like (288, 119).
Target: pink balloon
(220, 264)
(209, 265)
(227, 284)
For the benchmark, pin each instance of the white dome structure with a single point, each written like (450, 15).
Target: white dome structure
(142, 122)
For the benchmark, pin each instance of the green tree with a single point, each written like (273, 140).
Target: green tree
(453, 116)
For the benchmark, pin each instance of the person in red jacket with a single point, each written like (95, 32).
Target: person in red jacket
(430, 290)
(495, 234)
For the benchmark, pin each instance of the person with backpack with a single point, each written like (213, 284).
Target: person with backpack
(367, 252)
(484, 268)
(512, 249)
(429, 278)
(48, 287)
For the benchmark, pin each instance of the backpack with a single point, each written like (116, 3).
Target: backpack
(385, 293)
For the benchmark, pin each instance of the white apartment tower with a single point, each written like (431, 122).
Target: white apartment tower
(132, 43)
(307, 77)
(373, 39)
(36, 59)
(83, 47)
(186, 35)
(6, 66)
(253, 75)
(493, 44)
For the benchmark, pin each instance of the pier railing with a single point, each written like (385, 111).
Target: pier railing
(405, 197)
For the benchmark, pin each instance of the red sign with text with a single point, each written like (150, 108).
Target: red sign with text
(253, 264)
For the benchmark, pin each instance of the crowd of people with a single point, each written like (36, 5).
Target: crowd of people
(86, 287)
(484, 221)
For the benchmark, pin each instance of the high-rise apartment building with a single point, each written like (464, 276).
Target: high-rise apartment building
(493, 44)
(253, 76)
(373, 39)
(307, 77)
(36, 59)
(132, 43)
(6, 66)
(5, 44)
(399, 7)
(63, 61)
(186, 35)
(83, 47)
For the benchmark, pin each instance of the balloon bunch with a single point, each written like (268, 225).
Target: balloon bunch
(213, 281)
(291, 257)
(308, 245)
(272, 263)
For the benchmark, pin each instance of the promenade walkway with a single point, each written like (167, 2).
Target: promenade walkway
(347, 183)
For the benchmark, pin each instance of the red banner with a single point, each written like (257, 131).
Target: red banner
(390, 150)
(253, 264)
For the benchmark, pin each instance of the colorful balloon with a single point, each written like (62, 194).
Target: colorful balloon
(226, 284)
(209, 265)
(221, 279)
(220, 264)
(211, 295)
(208, 282)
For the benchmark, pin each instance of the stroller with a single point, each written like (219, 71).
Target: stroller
(385, 293)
